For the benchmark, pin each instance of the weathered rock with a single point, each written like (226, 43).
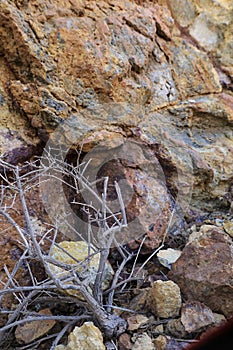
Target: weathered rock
(168, 256)
(143, 342)
(124, 342)
(218, 318)
(173, 344)
(139, 302)
(176, 329)
(135, 70)
(30, 331)
(147, 201)
(158, 329)
(18, 140)
(228, 227)
(131, 72)
(196, 316)
(143, 189)
(160, 342)
(210, 24)
(136, 321)
(86, 337)
(165, 299)
(77, 254)
(204, 270)
(187, 136)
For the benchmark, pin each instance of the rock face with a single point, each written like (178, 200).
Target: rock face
(210, 24)
(131, 69)
(204, 270)
(18, 139)
(228, 227)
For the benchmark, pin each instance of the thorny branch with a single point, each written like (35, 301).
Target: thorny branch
(97, 303)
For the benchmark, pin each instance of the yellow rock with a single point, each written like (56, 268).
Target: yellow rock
(160, 342)
(228, 227)
(78, 257)
(84, 338)
(165, 299)
(143, 342)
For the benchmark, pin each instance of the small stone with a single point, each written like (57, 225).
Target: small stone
(165, 299)
(173, 344)
(195, 316)
(136, 321)
(143, 342)
(218, 222)
(176, 328)
(160, 342)
(139, 302)
(158, 329)
(30, 331)
(124, 342)
(86, 337)
(168, 256)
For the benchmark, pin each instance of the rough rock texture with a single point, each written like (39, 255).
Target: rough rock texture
(165, 299)
(219, 318)
(168, 256)
(124, 342)
(160, 342)
(30, 331)
(86, 337)
(78, 253)
(100, 75)
(141, 178)
(204, 270)
(136, 321)
(175, 328)
(210, 24)
(143, 342)
(228, 227)
(196, 316)
(18, 139)
(126, 68)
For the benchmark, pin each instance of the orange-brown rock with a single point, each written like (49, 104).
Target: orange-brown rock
(210, 24)
(125, 67)
(204, 270)
(29, 331)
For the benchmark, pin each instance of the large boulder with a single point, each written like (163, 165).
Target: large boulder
(204, 270)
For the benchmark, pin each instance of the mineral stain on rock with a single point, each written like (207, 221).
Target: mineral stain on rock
(155, 73)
